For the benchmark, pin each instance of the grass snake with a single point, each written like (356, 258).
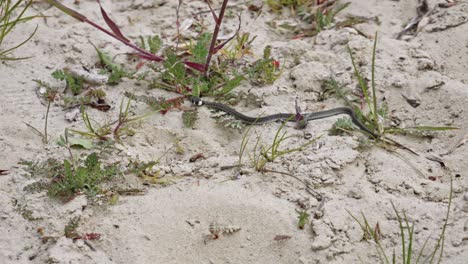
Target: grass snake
(283, 116)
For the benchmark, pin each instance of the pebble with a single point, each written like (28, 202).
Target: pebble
(465, 196)
(321, 243)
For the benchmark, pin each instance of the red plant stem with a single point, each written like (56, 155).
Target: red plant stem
(215, 36)
(148, 55)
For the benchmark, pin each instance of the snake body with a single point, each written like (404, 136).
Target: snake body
(283, 116)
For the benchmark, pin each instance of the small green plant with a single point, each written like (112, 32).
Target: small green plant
(114, 70)
(239, 48)
(75, 84)
(189, 118)
(408, 252)
(123, 125)
(277, 5)
(71, 226)
(324, 17)
(85, 177)
(262, 154)
(265, 70)
(303, 219)
(342, 126)
(12, 13)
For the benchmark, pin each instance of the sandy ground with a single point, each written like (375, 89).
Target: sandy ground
(171, 224)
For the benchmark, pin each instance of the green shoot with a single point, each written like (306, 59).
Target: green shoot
(239, 48)
(262, 154)
(303, 219)
(84, 178)
(11, 15)
(265, 70)
(74, 83)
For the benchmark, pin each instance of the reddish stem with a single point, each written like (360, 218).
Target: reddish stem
(215, 36)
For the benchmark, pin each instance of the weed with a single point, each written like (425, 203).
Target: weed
(342, 126)
(189, 118)
(265, 70)
(12, 14)
(154, 43)
(277, 5)
(71, 226)
(320, 15)
(243, 146)
(85, 177)
(122, 124)
(408, 252)
(75, 84)
(376, 118)
(262, 154)
(303, 219)
(239, 48)
(115, 71)
(324, 17)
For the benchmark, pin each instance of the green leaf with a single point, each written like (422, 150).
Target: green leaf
(116, 71)
(75, 84)
(200, 50)
(231, 84)
(175, 69)
(59, 75)
(80, 142)
(91, 161)
(154, 43)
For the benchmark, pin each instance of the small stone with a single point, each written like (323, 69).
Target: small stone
(321, 243)
(412, 98)
(465, 196)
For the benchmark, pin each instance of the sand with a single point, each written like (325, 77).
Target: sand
(421, 78)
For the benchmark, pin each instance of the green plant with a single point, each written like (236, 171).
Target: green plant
(262, 154)
(265, 70)
(85, 177)
(342, 126)
(408, 252)
(376, 118)
(303, 219)
(277, 5)
(12, 13)
(324, 17)
(240, 47)
(122, 124)
(71, 226)
(75, 84)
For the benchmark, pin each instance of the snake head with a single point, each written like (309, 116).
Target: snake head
(196, 101)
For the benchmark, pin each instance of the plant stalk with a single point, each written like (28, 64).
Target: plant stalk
(46, 138)
(215, 36)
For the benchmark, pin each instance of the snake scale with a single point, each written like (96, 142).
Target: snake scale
(283, 116)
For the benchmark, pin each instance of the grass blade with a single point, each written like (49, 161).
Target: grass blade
(68, 11)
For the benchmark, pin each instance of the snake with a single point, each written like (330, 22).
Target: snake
(283, 116)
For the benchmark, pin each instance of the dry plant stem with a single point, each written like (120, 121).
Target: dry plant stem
(214, 38)
(46, 139)
(178, 23)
